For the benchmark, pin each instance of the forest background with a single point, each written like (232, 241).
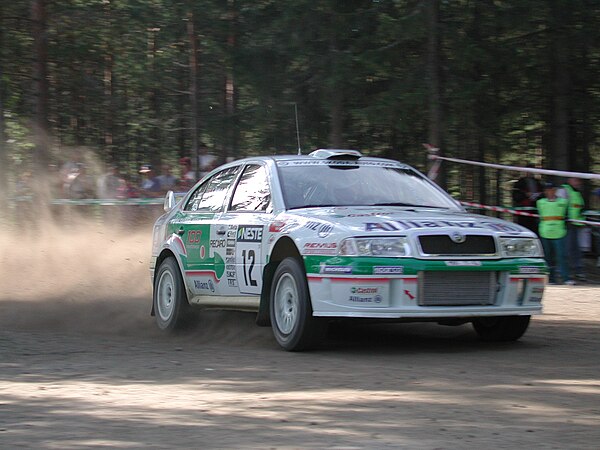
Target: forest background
(150, 81)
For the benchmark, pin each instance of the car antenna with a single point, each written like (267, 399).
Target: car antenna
(297, 128)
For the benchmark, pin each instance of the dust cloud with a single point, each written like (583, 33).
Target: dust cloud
(82, 276)
(88, 277)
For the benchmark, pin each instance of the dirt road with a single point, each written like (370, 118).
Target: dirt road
(83, 366)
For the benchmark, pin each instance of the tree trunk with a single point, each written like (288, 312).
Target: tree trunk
(109, 93)
(561, 89)
(336, 95)
(40, 79)
(337, 118)
(3, 149)
(231, 122)
(434, 83)
(193, 63)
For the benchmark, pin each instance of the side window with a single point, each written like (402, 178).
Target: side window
(193, 203)
(210, 195)
(252, 192)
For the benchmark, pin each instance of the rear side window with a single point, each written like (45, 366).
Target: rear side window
(252, 193)
(210, 195)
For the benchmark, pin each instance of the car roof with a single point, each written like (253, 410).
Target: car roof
(323, 155)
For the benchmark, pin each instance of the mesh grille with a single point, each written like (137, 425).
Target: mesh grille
(457, 288)
(443, 245)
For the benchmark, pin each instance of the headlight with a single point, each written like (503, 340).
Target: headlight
(384, 247)
(521, 247)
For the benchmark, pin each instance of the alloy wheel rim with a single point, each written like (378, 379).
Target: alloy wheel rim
(165, 294)
(286, 303)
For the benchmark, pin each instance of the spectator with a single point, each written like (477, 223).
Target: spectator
(108, 184)
(571, 191)
(69, 171)
(596, 228)
(188, 176)
(552, 231)
(150, 185)
(206, 161)
(525, 193)
(166, 179)
(127, 189)
(79, 183)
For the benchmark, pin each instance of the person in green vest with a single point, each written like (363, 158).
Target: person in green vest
(553, 232)
(572, 193)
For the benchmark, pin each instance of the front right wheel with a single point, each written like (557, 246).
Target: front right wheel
(294, 326)
(501, 329)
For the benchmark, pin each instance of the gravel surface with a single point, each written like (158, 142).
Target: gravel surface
(82, 365)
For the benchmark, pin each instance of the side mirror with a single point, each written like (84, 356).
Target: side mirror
(169, 201)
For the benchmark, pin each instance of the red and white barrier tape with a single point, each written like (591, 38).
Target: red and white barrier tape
(558, 173)
(520, 213)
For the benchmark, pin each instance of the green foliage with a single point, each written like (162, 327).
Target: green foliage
(120, 80)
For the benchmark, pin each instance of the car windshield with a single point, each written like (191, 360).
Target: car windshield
(357, 183)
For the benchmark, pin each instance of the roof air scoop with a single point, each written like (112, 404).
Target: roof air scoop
(326, 153)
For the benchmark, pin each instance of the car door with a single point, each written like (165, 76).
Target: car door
(247, 217)
(204, 240)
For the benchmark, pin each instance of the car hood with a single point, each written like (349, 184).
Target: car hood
(394, 220)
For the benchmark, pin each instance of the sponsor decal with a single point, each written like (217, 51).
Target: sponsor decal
(409, 294)
(320, 248)
(401, 225)
(537, 290)
(194, 236)
(276, 227)
(535, 299)
(388, 270)
(528, 269)
(230, 242)
(377, 299)
(329, 162)
(371, 214)
(463, 263)
(231, 234)
(230, 251)
(336, 269)
(249, 233)
(365, 290)
(323, 229)
(217, 243)
(204, 285)
(232, 282)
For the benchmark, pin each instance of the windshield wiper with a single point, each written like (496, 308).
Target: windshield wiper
(411, 205)
(313, 206)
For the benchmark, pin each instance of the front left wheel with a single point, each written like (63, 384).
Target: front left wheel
(294, 326)
(171, 306)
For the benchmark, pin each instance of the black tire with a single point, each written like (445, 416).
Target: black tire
(292, 321)
(501, 329)
(171, 307)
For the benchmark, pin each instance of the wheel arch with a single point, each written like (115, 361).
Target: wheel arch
(283, 248)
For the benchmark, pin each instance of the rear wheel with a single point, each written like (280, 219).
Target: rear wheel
(294, 326)
(171, 306)
(501, 329)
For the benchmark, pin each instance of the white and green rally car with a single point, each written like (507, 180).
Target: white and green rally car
(303, 240)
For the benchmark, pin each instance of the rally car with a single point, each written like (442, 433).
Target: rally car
(304, 240)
